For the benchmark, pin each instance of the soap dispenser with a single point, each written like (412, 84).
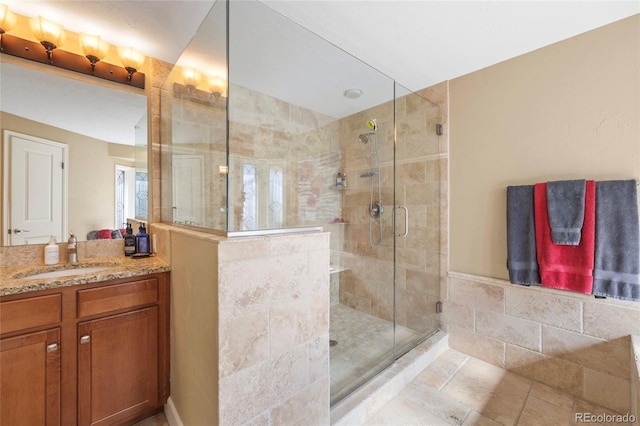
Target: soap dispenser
(142, 241)
(72, 248)
(51, 252)
(129, 241)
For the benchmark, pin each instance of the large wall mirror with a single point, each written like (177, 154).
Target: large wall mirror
(97, 129)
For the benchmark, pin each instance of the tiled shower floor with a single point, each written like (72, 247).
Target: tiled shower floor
(365, 345)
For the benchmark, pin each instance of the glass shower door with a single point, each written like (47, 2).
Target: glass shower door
(419, 167)
(362, 304)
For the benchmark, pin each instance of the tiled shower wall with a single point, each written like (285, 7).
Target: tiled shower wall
(421, 158)
(266, 134)
(271, 134)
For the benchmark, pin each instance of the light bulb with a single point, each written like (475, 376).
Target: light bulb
(191, 77)
(50, 34)
(131, 59)
(217, 86)
(8, 19)
(94, 47)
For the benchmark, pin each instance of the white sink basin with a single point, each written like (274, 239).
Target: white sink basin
(68, 272)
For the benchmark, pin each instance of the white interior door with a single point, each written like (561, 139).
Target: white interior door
(35, 189)
(188, 189)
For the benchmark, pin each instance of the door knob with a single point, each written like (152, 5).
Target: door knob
(19, 231)
(85, 339)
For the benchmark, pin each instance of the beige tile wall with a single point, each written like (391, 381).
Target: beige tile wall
(263, 131)
(568, 341)
(421, 176)
(270, 133)
(274, 329)
(250, 327)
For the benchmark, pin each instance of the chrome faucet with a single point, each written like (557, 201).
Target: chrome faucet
(72, 249)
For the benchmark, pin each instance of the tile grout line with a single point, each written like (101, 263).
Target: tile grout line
(454, 373)
(524, 404)
(444, 385)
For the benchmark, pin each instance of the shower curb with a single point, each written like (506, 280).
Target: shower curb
(363, 403)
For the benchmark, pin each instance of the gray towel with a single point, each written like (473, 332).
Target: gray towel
(617, 250)
(565, 206)
(521, 236)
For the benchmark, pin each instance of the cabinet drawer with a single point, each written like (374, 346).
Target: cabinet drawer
(116, 297)
(31, 312)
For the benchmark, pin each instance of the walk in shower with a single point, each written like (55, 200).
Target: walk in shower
(284, 146)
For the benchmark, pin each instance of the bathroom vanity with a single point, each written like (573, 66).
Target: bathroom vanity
(86, 348)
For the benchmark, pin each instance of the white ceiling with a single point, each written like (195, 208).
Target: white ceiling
(417, 43)
(425, 42)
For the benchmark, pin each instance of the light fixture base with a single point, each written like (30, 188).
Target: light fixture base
(49, 47)
(131, 71)
(33, 51)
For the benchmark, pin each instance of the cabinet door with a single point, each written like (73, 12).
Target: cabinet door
(30, 379)
(117, 367)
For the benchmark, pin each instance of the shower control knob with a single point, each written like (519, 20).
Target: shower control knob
(375, 209)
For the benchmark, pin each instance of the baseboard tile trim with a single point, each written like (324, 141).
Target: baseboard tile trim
(171, 413)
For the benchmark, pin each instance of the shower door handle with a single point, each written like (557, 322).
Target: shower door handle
(406, 220)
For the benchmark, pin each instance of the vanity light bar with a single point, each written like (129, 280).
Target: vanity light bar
(34, 51)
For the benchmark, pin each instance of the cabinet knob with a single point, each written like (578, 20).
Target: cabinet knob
(85, 339)
(52, 347)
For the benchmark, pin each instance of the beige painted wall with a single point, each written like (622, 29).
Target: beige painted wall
(91, 172)
(194, 328)
(567, 111)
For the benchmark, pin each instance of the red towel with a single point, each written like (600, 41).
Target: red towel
(104, 234)
(566, 267)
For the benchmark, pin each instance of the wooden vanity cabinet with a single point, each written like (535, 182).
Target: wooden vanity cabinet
(30, 361)
(104, 362)
(30, 379)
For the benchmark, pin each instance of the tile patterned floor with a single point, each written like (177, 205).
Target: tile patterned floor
(460, 390)
(365, 346)
(158, 420)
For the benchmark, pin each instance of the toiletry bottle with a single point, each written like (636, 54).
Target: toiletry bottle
(129, 241)
(51, 252)
(72, 248)
(148, 237)
(142, 240)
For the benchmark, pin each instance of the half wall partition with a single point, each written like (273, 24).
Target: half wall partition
(282, 146)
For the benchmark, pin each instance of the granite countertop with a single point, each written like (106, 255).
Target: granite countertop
(16, 279)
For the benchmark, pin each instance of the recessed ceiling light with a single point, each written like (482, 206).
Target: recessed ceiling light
(352, 93)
